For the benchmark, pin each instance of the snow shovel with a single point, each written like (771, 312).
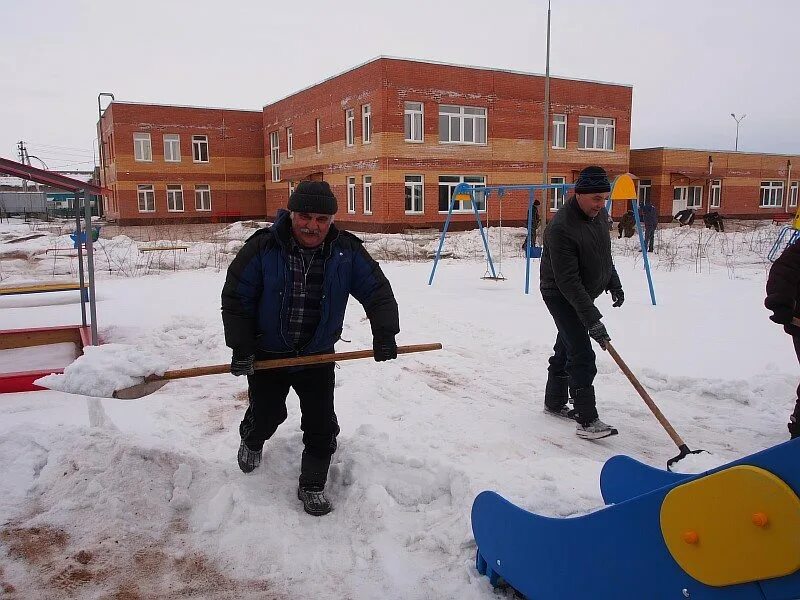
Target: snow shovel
(153, 383)
(684, 449)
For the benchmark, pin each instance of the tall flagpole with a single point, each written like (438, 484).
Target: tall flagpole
(546, 136)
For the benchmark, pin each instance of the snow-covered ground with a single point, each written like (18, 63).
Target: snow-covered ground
(143, 499)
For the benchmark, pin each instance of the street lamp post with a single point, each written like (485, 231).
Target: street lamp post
(739, 120)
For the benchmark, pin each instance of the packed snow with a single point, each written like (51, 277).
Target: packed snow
(143, 498)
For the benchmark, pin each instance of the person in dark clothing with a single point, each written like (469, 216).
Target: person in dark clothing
(576, 268)
(285, 295)
(626, 225)
(783, 293)
(650, 221)
(715, 220)
(536, 221)
(685, 217)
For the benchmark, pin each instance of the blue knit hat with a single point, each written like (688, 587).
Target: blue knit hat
(592, 180)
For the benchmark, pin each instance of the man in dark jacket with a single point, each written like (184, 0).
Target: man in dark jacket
(285, 295)
(650, 221)
(576, 268)
(783, 293)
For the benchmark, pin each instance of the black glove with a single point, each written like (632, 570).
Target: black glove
(782, 315)
(598, 333)
(618, 296)
(242, 364)
(384, 348)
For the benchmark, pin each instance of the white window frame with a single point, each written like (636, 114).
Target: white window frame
(292, 186)
(275, 155)
(771, 195)
(715, 196)
(142, 147)
(172, 141)
(367, 194)
(173, 196)
(694, 197)
(458, 117)
(794, 188)
(198, 143)
(557, 196)
(351, 195)
(366, 123)
(289, 143)
(592, 126)
(202, 192)
(415, 189)
(413, 122)
(559, 133)
(460, 206)
(144, 193)
(645, 191)
(349, 127)
(319, 147)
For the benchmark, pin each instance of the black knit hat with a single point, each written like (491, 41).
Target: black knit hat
(313, 197)
(592, 180)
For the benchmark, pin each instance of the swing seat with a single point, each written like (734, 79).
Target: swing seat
(534, 251)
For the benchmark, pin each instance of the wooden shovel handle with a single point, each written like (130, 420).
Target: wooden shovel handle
(288, 362)
(645, 396)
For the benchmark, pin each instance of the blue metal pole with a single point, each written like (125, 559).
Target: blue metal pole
(480, 225)
(644, 251)
(528, 242)
(444, 232)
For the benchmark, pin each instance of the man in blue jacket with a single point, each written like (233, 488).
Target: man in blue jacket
(285, 295)
(650, 219)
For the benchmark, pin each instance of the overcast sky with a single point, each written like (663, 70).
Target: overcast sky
(691, 62)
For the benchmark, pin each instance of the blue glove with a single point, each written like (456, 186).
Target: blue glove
(242, 365)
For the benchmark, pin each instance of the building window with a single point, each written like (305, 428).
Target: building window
(318, 137)
(200, 148)
(202, 197)
(716, 193)
(367, 195)
(289, 143)
(351, 195)
(142, 148)
(147, 198)
(292, 186)
(462, 124)
(644, 191)
(793, 194)
(172, 147)
(559, 131)
(694, 199)
(415, 203)
(366, 123)
(448, 183)
(413, 121)
(595, 133)
(350, 127)
(275, 156)
(175, 198)
(557, 195)
(771, 194)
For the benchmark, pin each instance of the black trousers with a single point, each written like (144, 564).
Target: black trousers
(267, 410)
(649, 237)
(796, 413)
(573, 355)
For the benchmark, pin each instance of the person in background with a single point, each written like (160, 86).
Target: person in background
(650, 222)
(285, 295)
(685, 217)
(783, 293)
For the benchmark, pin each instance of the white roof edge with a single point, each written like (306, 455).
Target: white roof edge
(254, 110)
(711, 150)
(446, 64)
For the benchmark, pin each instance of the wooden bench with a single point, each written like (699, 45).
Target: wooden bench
(781, 218)
(162, 248)
(38, 288)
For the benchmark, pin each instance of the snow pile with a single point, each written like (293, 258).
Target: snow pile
(103, 369)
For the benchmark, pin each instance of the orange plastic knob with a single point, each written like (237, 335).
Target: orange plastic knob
(760, 519)
(691, 537)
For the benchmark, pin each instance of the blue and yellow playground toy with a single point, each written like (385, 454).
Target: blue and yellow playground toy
(793, 231)
(732, 533)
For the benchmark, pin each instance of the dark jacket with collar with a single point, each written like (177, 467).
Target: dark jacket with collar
(576, 260)
(783, 288)
(257, 292)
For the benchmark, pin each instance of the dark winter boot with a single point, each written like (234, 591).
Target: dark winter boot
(248, 459)
(311, 491)
(556, 393)
(585, 406)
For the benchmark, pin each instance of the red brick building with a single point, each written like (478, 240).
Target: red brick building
(740, 185)
(177, 163)
(394, 136)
